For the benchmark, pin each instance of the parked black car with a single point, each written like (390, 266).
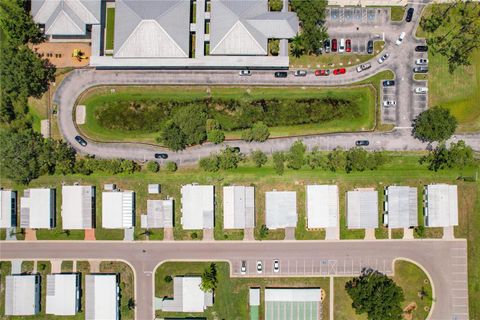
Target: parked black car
(161, 156)
(236, 149)
(388, 83)
(81, 141)
(281, 74)
(370, 47)
(421, 48)
(326, 45)
(409, 15)
(360, 143)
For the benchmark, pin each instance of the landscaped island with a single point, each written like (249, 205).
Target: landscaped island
(141, 113)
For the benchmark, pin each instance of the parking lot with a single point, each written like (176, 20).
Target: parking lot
(319, 267)
(389, 114)
(354, 15)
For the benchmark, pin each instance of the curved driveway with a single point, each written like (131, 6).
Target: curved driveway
(400, 61)
(444, 260)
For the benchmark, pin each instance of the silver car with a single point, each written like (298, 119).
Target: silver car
(421, 62)
(421, 90)
(383, 58)
(300, 73)
(363, 67)
(243, 268)
(389, 103)
(245, 73)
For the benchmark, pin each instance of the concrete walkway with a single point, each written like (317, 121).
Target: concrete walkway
(208, 235)
(168, 234)
(56, 266)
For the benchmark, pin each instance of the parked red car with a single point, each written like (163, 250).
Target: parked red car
(323, 72)
(334, 45)
(339, 71)
(348, 45)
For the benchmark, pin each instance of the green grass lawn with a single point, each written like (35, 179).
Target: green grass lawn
(126, 285)
(5, 270)
(397, 13)
(97, 97)
(231, 296)
(412, 279)
(407, 275)
(110, 29)
(459, 91)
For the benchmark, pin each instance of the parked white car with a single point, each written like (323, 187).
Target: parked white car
(421, 90)
(300, 73)
(363, 67)
(383, 58)
(341, 47)
(400, 39)
(276, 266)
(259, 266)
(421, 62)
(389, 103)
(245, 73)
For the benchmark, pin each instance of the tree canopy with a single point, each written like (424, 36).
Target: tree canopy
(459, 156)
(376, 295)
(434, 124)
(311, 14)
(209, 278)
(453, 31)
(17, 24)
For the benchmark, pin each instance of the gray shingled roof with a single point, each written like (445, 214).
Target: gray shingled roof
(152, 29)
(243, 27)
(66, 17)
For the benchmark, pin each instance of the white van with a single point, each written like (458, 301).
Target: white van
(341, 47)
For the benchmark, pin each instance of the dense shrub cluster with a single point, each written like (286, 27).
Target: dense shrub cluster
(230, 114)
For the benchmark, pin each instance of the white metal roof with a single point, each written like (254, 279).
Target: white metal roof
(77, 207)
(62, 294)
(117, 209)
(37, 208)
(8, 208)
(402, 207)
(187, 296)
(66, 17)
(152, 29)
(22, 295)
(159, 214)
(101, 297)
(238, 207)
(322, 206)
(292, 294)
(362, 209)
(281, 209)
(243, 27)
(442, 205)
(254, 296)
(197, 207)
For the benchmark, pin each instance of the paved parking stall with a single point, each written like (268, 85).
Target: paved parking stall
(356, 15)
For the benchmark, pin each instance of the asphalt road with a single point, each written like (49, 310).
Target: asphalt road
(400, 61)
(444, 260)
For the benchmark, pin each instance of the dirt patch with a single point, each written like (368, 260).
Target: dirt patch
(408, 311)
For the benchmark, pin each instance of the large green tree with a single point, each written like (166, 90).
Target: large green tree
(434, 124)
(459, 156)
(17, 24)
(192, 121)
(453, 31)
(311, 14)
(173, 137)
(296, 155)
(376, 295)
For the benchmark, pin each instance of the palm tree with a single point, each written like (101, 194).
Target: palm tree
(296, 46)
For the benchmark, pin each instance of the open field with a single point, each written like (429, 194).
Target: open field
(463, 84)
(231, 296)
(362, 99)
(407, 275)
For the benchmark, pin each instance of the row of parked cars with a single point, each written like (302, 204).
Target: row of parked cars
(343, 45)
(300, 73)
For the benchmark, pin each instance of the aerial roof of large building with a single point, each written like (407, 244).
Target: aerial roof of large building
(322, 206)
(118, 209)
(66, 17)
(362, 209)
(8, 208)
(159, 214)
(441, 208)
(22, 295)
(37, 208)
(101, 297)
(401, 206)
(238, 207)
(197, 207)
(63, 293)
(187, 296)
(281, 209)
(78, 203)
(152, 29)
(243, 27)
(301, 303)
